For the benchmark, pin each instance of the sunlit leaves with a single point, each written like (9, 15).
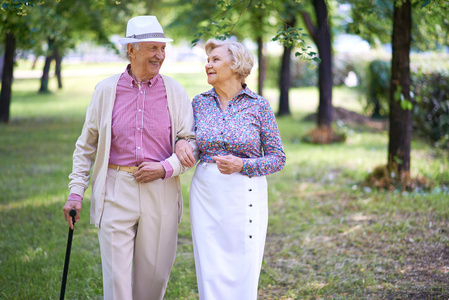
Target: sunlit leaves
(426, 2)
(399, 96)
(372, 21)
(20, 7)
(229, 12)
(293, 38)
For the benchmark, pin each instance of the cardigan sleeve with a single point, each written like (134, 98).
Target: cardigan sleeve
(85, 149)
(183, 123)
(93, 144)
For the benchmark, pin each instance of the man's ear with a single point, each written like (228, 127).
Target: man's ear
(131, 50)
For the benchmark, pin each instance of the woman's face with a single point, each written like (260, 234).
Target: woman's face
(218, 67)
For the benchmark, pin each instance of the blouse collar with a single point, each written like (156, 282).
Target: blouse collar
(245, 91)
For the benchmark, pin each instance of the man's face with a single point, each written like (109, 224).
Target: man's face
(147, 60)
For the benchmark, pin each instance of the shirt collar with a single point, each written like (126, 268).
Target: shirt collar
(132, 82)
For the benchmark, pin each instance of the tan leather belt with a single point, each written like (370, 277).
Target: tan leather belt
(123, 168)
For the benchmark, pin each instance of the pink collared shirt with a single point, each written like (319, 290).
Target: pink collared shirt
(140, 123)
(141, 128)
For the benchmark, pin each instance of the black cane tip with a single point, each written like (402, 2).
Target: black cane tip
(72, 212)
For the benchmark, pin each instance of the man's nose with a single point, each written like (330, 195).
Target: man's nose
(160, 54)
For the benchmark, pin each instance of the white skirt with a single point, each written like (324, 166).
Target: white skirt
(229, 218)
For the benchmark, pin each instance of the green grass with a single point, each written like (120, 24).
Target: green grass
(327, 238)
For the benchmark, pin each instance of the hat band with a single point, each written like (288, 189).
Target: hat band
(147, 35)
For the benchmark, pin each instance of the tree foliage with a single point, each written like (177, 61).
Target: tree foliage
(372, 20)
(14, 29)
(44, 27)
(19, 7)
(244, 19)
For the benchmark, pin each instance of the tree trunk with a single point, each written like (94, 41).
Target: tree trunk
(284, 82)
(7, 77)
(323, 42)
(58, 62)
(400, 119)
(45, 75)
(262, 65)
(46, 72)
(2, 63)
(33, 66)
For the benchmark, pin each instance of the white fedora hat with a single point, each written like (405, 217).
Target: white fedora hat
(144, 29)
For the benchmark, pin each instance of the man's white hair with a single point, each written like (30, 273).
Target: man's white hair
(124, 51)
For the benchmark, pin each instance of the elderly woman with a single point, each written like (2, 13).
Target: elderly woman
(239, 145)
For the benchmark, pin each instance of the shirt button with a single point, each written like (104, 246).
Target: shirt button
(140, 110)
(250, 190)
(250, 236)
(250, 221)
(138, 148)
(250, 205)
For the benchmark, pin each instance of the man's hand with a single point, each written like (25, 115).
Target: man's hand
(149, 171)
(184, 152)
(71, 204)
(229, 164)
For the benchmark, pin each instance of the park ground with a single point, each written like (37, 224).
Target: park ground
(328, 236)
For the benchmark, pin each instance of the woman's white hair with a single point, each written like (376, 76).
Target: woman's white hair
(243, 60)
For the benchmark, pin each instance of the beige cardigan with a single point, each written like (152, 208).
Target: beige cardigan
(94, 143)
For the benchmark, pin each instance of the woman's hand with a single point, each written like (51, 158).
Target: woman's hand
(229, 164)
(184, 152)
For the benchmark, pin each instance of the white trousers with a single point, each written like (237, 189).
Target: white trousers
(229, 217)
(138, 236)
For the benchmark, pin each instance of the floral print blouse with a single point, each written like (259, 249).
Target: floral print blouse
(247, 129)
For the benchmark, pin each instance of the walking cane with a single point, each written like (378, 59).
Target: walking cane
(72, 213)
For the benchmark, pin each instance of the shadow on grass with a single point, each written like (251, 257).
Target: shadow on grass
(33, 246)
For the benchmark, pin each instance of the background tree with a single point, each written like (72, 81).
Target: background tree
(62, 25)
(407, 24)
(400, 133)
(321, 35)
(254, 23)
(285, 75)
(259, 25)
(14, 30)
(288, 16)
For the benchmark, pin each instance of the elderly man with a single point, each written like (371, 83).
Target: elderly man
(131, 127)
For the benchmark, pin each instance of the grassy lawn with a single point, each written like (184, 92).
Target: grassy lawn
(328, 238)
